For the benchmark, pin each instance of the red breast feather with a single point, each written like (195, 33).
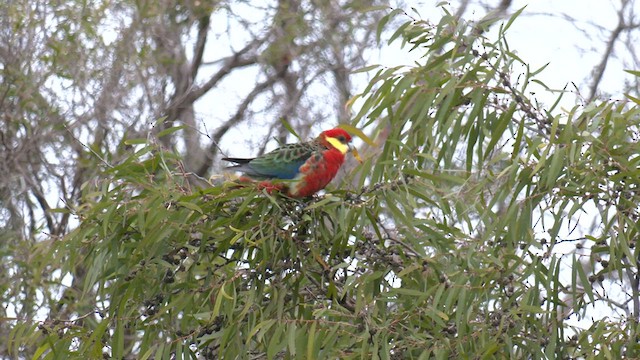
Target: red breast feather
(317, 172)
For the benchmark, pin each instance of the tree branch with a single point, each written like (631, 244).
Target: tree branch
(598, 72)
(235, 119)
(230, 63)
(203, 30)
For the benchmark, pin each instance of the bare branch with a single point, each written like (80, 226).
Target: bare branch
(234, 120)
(625, 23)
(598, 72)
(203, 30)
(36, 189)
(462, 8)
(232, 62)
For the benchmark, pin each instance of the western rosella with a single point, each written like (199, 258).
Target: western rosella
(301, 169)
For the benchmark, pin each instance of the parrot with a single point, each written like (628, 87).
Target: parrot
(298, 170)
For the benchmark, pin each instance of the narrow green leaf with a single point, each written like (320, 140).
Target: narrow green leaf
(160, 121)
(323, 202)
(311, 337)
(556, 166)
(291, 339)
(366, 69)
(170, 130)
(632, 98)
(148, 353)
(375, 8)
(289, 128)
(384, 20)
(381, 24)
(264, 326)
(117, 344)
(275, 343)
(41, 350)
(357, 132)
(178, 351)
(490, 350)
(160, 352)
(497, 132)
(191, 206)
(584, 281)
(633, 72)
(398, 32)
(539, 70)
(135, 141)
(436, 178)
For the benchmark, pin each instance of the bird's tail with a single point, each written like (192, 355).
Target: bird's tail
(238, 161)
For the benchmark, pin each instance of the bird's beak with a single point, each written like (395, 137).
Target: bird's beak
(355, 153)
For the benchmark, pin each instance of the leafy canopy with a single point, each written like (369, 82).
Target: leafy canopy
(443, 244)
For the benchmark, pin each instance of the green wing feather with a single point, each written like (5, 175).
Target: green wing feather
(281, 163)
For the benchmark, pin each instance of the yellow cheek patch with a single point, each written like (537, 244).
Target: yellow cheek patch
(344, 148)
(338, 145)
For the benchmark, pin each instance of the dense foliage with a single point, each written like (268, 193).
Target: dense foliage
(447, 242)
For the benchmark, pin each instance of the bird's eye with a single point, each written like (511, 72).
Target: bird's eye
(342, 139)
